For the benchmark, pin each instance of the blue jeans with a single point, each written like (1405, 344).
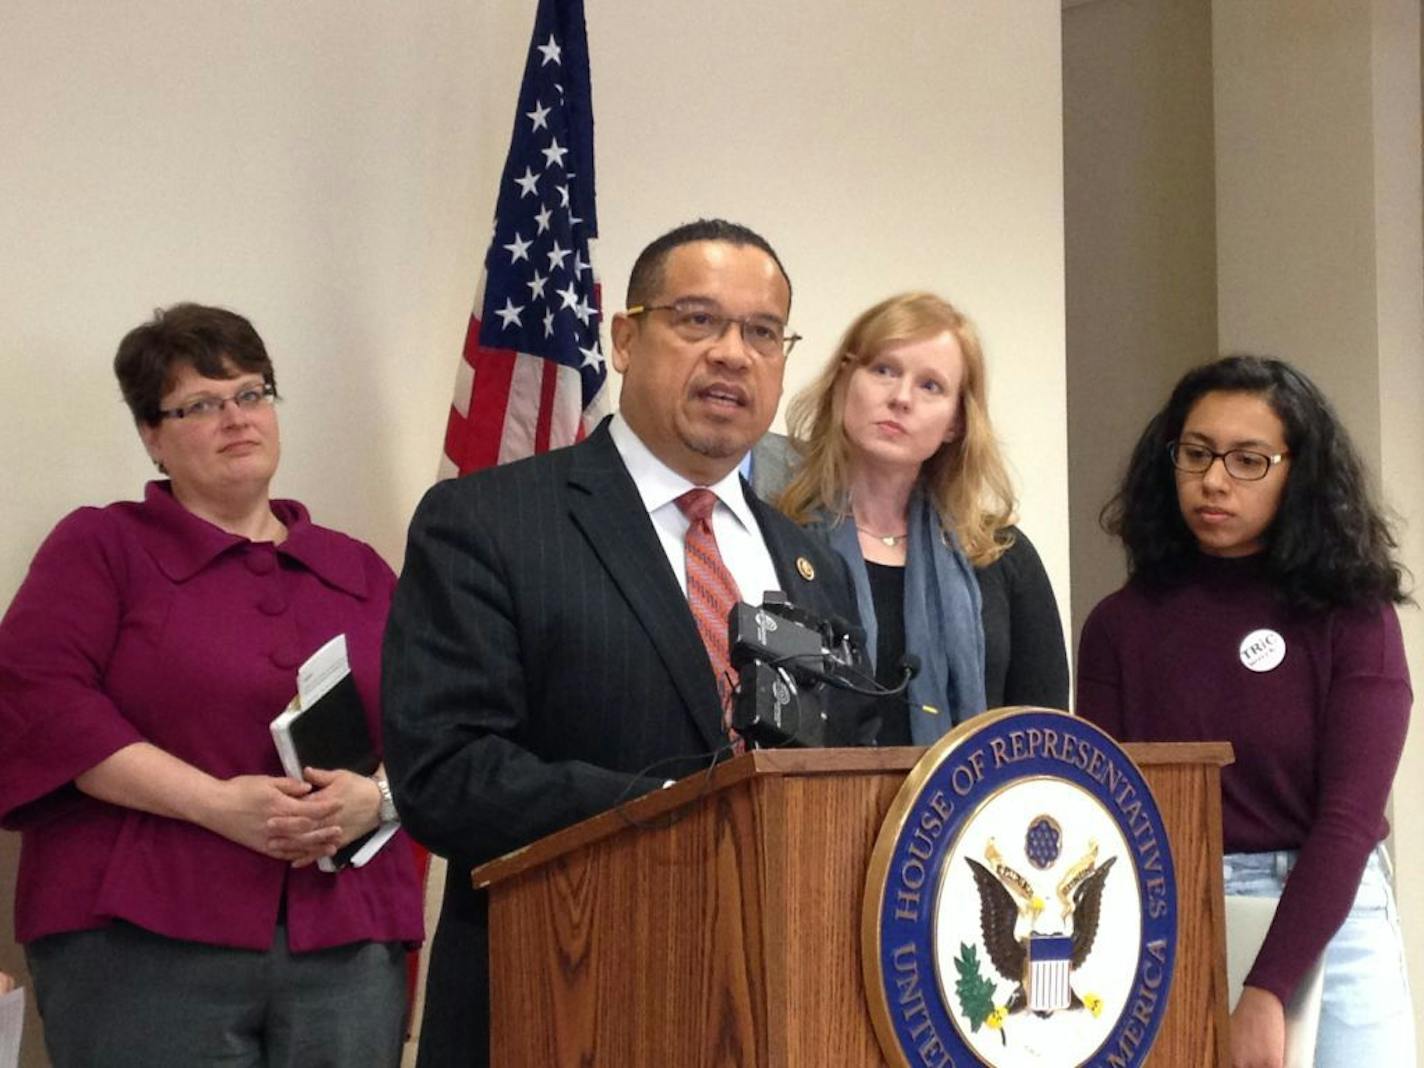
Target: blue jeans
(1366, 1017)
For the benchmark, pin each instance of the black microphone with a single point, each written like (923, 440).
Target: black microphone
(841, 629)
(910, 665)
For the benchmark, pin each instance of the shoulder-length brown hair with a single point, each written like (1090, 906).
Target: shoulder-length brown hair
(966, 479)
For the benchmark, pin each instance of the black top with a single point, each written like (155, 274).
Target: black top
(887, 591)
(1025, 659)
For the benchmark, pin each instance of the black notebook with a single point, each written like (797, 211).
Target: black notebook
(329, 731)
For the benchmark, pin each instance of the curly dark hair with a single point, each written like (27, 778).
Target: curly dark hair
(1329, 544)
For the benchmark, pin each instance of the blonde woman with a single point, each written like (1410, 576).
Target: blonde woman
(899, 467)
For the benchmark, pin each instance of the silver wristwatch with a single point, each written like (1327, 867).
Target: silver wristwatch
(388, 803)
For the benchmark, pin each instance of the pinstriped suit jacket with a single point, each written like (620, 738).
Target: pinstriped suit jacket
(540, 653)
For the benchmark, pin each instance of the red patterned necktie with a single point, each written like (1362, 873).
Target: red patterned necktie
(711, 593)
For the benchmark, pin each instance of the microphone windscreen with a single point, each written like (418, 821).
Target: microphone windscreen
(910, 665)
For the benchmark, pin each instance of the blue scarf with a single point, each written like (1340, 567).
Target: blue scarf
(943, 624)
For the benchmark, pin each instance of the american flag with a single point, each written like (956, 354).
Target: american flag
(532, 372)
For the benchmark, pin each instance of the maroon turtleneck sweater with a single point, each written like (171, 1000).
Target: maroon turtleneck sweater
(1317, 738)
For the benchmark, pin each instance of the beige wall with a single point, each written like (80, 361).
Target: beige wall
(1399, 267)
(1139, 225)
(329, 169)
(1295, 195)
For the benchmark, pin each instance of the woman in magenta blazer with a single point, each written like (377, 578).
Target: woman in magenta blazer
(167, 899)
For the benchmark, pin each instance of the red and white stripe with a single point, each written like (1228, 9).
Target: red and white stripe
(509, 405)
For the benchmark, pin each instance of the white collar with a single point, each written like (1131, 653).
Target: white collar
(659, 485)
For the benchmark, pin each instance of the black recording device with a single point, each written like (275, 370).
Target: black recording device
(787, 659)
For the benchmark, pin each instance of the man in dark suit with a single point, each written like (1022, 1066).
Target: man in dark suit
(542, 662)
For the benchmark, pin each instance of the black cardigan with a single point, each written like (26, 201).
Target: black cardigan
(1025, 658)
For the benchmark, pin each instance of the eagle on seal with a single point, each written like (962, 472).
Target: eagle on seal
(1081, 894)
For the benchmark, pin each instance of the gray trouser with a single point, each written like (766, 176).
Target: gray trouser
(122, 996)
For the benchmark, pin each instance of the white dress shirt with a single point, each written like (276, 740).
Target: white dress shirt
(738, 534)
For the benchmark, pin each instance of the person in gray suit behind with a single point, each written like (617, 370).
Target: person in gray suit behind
(894, 458)
(558, 637)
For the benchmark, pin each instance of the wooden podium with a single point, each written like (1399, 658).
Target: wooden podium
(717, 922)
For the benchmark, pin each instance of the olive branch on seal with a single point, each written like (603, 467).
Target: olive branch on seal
(976, 994)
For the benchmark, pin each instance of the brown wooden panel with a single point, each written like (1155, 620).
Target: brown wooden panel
(717, 922)
(645, 948)
(836, 823)
(660, 803)
(1193, 1033)
(1213, 754)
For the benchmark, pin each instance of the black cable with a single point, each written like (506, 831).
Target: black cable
(871, 687)
(713, 758)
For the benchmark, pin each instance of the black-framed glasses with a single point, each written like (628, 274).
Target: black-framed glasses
(1244, 465)
(765, 335)
(247, 399)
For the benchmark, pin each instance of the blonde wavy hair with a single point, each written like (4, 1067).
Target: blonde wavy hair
(965, 479)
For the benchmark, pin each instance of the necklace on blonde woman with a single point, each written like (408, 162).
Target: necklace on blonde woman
(887, 540)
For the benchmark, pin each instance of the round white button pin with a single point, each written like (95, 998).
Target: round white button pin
(1262, 650)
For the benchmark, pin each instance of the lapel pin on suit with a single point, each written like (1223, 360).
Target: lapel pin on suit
(804, 567)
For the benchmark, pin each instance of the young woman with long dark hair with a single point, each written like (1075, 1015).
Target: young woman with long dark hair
(1260, 610)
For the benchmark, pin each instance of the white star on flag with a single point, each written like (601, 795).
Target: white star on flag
(551, 53)
(554, 154)
(536, 286)
(570, 296)
(539, 116)
(518, 249)
(557, 255)
(529, 184)
(592, 358)
(510, 313)
(542, 218)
